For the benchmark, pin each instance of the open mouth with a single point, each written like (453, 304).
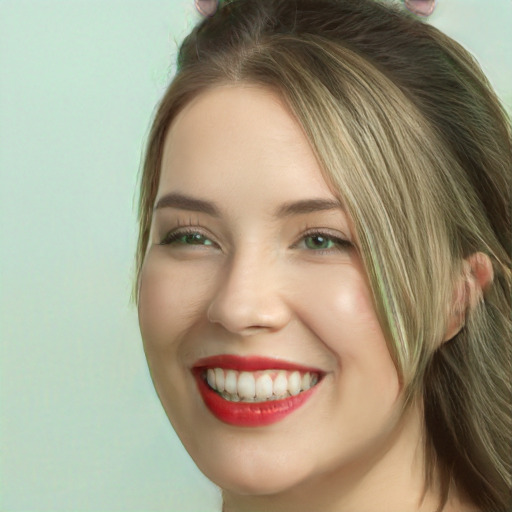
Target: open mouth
(258, 386)
(254, 391)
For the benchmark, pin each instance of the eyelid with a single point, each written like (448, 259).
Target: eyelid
(190, 229)
(341, 242)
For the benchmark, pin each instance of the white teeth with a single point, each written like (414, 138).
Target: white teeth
(280, 384)
(246, 385)
(294, 383)
(264, 387)
(259, 386)
(230, 382)
(210, 377)
(306, 381)
(219, 379)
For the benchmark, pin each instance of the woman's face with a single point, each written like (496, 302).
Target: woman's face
(251, 254)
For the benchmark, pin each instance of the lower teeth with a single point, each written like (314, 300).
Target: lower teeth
(236, 398)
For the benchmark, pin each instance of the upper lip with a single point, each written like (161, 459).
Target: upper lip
(251, 363)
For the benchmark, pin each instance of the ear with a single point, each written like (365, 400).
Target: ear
(477, 276)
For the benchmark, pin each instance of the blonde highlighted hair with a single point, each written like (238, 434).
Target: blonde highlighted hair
(411, 135)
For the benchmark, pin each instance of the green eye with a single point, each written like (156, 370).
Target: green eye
(194, 239)
(186, 238)
(319, 242)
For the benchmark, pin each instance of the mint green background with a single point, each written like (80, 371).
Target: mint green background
(81, 427)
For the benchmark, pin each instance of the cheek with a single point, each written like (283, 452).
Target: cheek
(341, 314)
(367, 384)
(340, 306)
(172, 297)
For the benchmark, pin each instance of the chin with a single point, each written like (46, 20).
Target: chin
(256, 485)
(252, 477)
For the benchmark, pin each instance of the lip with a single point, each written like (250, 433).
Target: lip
(251, 364)
(247, 414)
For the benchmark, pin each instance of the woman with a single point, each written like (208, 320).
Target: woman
(323, 268)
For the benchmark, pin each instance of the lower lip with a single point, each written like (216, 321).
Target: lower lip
(250, 414)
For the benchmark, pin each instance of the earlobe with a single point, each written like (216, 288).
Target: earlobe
(482, 271)
(477, 276)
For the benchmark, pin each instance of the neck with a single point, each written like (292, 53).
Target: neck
(391, 479)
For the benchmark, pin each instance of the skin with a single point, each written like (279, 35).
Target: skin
(257, 285)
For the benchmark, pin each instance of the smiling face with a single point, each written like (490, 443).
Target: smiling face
(251, 254)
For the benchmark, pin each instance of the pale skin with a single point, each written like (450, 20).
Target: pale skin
(247, 281)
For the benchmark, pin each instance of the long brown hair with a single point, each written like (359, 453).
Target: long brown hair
(410, 133)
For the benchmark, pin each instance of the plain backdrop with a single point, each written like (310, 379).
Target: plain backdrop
(81, 427)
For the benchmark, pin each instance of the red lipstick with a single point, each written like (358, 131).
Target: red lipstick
(249, 414)
(251, 364)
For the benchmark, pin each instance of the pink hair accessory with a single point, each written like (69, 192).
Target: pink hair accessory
(207, 7)
(421, 7)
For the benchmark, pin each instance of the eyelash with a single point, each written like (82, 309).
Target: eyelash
(340, 243)
(173, 236)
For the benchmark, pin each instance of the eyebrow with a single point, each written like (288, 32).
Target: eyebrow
(307, 206)
(288, 209)
(183, 202)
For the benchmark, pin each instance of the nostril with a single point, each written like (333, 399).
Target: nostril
(246, 297)
(248, 317)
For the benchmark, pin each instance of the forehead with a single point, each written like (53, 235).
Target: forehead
(239, 135)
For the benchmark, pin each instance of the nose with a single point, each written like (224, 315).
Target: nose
(249, 297)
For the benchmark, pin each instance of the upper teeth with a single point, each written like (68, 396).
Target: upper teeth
(259, 386)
